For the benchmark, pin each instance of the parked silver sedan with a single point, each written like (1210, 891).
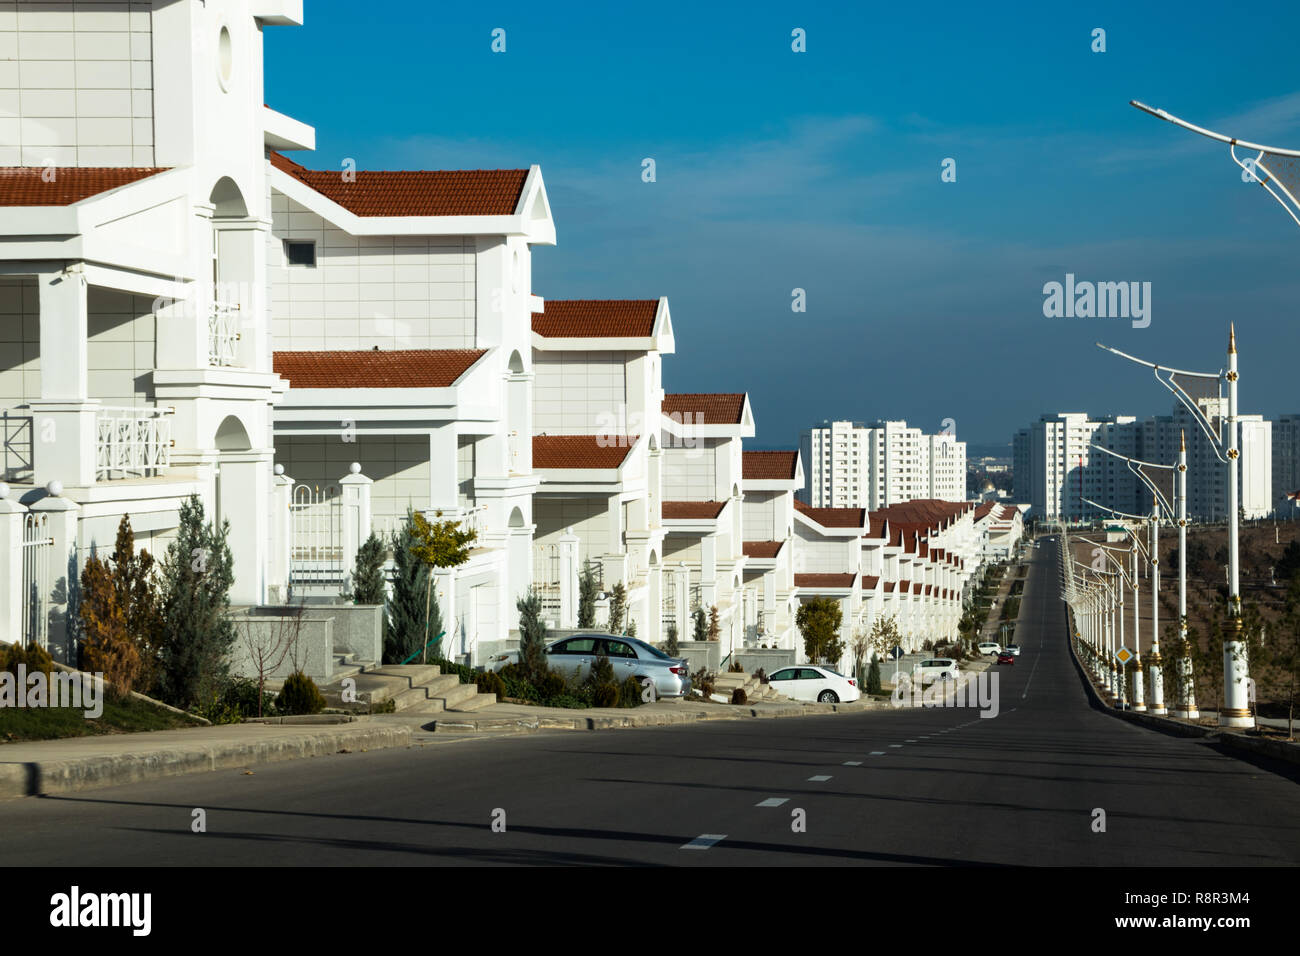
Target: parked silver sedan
(628, 656)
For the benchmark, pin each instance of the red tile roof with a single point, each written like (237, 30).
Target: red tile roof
(869, 581)
(691, 510)
(721, 408)
(415, 192)
(580, 451)
(904, 586)
(889, 586)
(916, 588)
(833, 517)
(413, 368)
(64, 185)
(762, 549)
(769, 465)
(826, 581)
(596, 318)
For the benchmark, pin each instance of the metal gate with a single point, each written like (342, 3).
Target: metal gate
(38, 556)
(316, 537)
(546, 578)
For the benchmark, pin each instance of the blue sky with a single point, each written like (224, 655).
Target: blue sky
(821, 170)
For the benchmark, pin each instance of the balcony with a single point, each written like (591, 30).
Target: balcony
(132, 442)
(223, 335)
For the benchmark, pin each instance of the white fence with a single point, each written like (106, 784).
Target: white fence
(37, 561)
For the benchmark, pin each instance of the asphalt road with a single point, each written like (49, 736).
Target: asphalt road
(913, 786)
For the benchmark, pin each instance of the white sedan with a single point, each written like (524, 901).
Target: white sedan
(815, 683)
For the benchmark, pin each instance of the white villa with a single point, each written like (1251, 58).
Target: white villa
(185, 309)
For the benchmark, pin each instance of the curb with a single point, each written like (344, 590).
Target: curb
(661, 719)
(1277, 749)
(33, 778)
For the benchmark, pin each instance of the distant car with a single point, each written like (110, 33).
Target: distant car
(1013, 649)
(936, 668)
(1006, 657)
(988, 647)
(809, 682)
(629, 657)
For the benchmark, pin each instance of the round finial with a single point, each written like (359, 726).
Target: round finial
(54, 488)
(279, 469)
(355, 468)
(4, 490)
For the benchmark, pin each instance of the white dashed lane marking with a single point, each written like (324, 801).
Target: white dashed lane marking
(877, 753)
(819, 778)
(772, 802)
(853, 763)
(704, 841)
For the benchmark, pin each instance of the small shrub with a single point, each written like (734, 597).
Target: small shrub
(606, 695)
(34, 657)
(490, 682)
(629, 695)
(552, 686)
(602, 671)
(761, 675)
(735, 667)
(384, 707)
(300, 695)
(738, 696)
(702, 682)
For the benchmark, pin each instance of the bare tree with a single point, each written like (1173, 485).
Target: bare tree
(268, 642)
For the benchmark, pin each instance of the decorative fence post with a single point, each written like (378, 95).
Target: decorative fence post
(11, 567)
(355, 517)
(568, 543)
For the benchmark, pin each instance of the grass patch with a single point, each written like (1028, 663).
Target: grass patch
(129, 716)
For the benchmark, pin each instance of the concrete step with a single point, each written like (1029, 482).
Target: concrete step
(477, 702)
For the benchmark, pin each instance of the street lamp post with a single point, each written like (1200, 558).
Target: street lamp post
(1186, 705)
(1236, 671)
(1236, 709)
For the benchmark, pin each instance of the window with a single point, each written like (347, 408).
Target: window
(618, 649)
(300, 252)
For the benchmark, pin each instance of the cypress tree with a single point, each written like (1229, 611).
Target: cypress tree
(197, 633)
(405, 624)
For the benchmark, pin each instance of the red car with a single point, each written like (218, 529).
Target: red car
(1006, 657)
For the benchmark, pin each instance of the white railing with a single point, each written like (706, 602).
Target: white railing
(546, 578)
(132, 442)
(37, 555)
(223, 334)
(16, 451)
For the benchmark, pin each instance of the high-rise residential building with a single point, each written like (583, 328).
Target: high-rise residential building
(853, 465)
(1286, 456)
(1060, 470)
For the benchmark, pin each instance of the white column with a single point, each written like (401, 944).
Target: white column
(653, 625)
(444, 489)
(355, 492)
(568, 547)
(681, 601)
(708, 571)
(280, 560)
(245, 490)
(63, 418)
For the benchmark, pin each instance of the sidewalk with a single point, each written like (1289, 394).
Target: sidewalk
(62, 766)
